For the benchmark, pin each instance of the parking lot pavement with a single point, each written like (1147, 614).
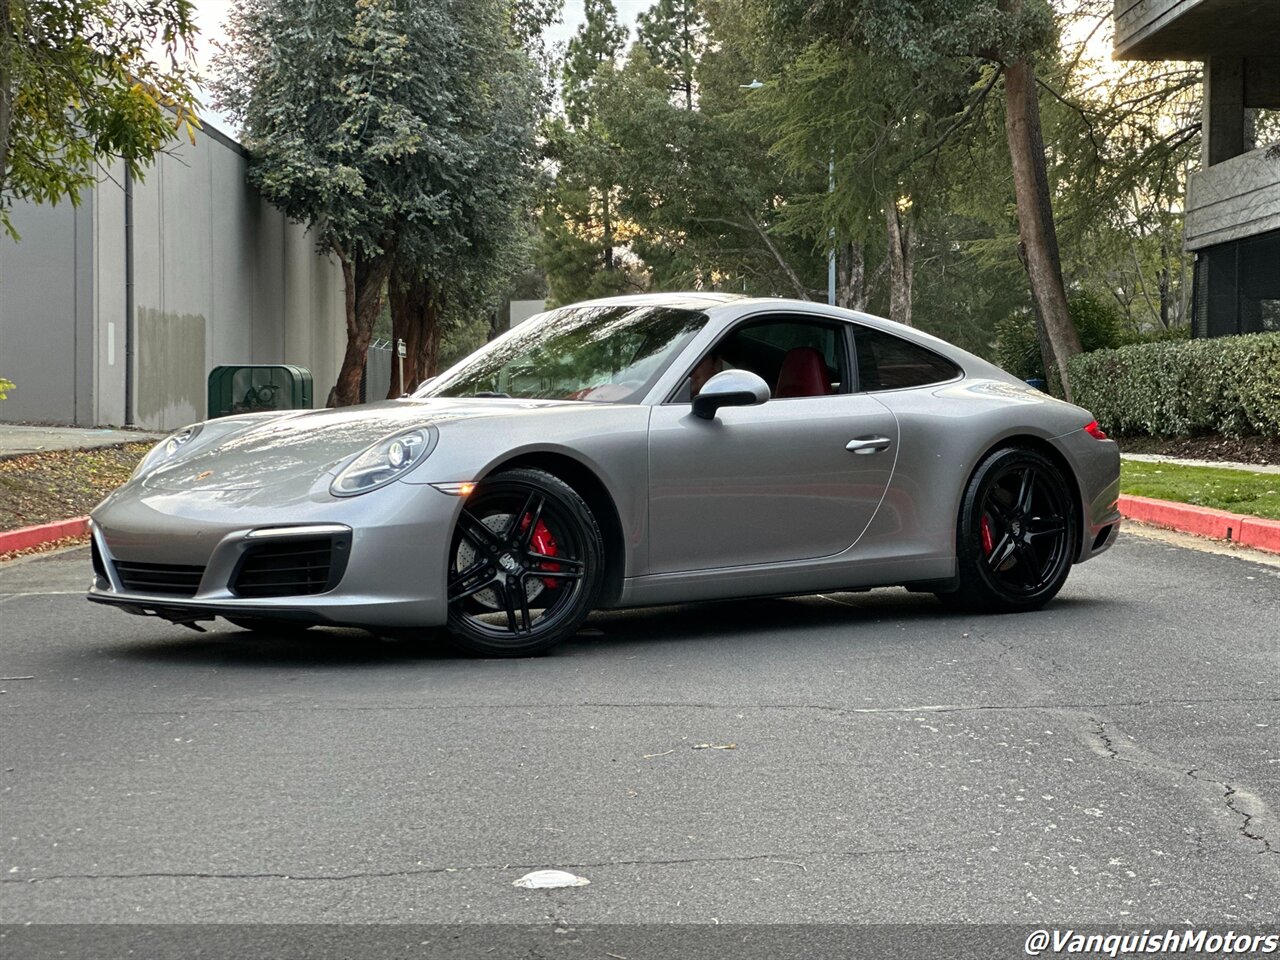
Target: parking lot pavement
(851, 757)
(17, 439)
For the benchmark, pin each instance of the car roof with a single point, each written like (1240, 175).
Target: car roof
(688, 300)
(714, 302)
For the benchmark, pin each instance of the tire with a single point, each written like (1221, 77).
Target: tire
(279, 628)
(1017, 534)
(524, 537)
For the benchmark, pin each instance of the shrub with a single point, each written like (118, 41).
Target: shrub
(5, 387)
(1018, 347)
(1228, 385)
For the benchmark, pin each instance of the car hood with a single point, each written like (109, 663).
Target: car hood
(305, 447)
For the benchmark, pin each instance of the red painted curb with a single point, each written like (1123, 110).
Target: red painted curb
(44, 533)
(1203, 521)
(1262, 534)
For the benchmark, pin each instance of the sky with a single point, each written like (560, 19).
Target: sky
(211, 13)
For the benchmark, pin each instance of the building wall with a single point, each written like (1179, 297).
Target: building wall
(45, 346)
(219, 277)
(1233, 199)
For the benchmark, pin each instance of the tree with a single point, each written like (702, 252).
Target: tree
(84, 82)
(944, 43)
(673, 33)
(453, 268)
(340, 103)
(598, 43)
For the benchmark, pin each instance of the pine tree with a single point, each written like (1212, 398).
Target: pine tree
(673, 33)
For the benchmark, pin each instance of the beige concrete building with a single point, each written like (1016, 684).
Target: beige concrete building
(114, 311)
(1233, 200)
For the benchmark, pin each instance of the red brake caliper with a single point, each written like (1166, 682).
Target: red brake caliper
(543, 542)
(987, 545)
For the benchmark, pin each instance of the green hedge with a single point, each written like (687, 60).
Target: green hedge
(1228, 385)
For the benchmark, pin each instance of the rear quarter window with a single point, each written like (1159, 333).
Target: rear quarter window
(886, 362)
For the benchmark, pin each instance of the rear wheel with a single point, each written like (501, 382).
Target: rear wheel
(1017, 534)
(525, 565)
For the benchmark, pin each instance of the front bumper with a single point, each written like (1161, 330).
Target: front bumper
(181, 558)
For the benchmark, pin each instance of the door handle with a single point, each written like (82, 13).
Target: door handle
(868, 444)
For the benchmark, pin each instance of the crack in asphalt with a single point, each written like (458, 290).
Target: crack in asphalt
(1232, 795)
(426, 871)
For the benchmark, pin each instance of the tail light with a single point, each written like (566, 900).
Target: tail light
(1095, 431)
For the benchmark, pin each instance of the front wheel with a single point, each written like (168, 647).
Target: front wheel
(525, 565)
(1017, 534)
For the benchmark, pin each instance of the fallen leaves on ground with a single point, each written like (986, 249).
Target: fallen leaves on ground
(57, 485)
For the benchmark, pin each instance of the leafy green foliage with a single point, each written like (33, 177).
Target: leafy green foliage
(1018, 350)
(1228, 385)
(340, 103)
(591, 56)
(673, 34)
(86, 82)
(5, 387)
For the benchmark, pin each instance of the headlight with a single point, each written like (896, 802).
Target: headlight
(388, 459)
(166, 450)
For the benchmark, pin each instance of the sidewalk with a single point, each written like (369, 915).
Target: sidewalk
(1224, 464)
(17, 439)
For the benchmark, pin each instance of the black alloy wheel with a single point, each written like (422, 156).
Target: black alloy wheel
(1017, 535)
(524, 566)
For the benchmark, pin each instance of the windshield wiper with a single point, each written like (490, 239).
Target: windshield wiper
(492, 393)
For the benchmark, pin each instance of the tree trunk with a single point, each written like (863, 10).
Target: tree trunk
(902, 262)
(607, 226)
(407, 298)
(429, 358)
(363, 278)
(1163, 281)
(7, 83)
(851, 276)
(1037, 234)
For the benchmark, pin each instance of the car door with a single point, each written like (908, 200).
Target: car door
(796, 478)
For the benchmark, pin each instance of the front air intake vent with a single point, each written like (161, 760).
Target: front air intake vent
(290, 568)
(159, 579)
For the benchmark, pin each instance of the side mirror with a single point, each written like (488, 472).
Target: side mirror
(424, 383)
(729, 388)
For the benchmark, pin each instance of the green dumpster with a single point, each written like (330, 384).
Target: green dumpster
(250, 388)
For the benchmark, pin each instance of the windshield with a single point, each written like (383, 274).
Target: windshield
(610, 354)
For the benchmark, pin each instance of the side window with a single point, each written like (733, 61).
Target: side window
(886, 362)
(795, 357)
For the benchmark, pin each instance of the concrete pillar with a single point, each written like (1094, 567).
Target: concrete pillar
(1224, 113)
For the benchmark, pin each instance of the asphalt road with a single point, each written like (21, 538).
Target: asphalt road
(871, 758)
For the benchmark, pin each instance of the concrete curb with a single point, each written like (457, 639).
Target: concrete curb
(1204, 521)
(44, 533)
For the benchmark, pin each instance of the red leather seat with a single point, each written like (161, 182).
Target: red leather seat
(803, 374)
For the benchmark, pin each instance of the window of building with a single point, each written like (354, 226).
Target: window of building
(1238, 287)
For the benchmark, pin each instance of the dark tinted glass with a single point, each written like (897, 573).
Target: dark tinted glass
(886, 362)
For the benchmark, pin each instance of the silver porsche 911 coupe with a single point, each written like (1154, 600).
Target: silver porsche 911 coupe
(623, 452)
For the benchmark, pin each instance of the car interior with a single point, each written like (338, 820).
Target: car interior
(804, 358)
(795, 358)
